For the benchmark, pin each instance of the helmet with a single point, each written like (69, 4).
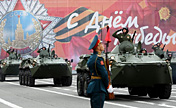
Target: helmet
(126, 29)
(44, 48)
(143, 50)
(158, 44)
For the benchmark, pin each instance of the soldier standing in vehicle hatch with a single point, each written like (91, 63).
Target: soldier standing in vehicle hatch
(124, 36)
(98, 86)
(43, 52)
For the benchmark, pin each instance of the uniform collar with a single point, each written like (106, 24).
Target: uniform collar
(95, 52)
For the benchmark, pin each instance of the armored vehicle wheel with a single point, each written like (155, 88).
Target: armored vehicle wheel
(31, 80)
(2, 76)
(80, 84)
(86, 82)
(57, 81)
(25, 78)
(27, 73)
(66, 81)
(133, 91)
(142, 92)
(152, 92)
(165, 91)
(20, 77)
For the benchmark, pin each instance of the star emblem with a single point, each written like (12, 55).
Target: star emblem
(40, 12)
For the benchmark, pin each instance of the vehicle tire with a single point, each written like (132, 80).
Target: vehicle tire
(80, 84)
(31, 80)
(25, 78)
(86, 80)
(165, 91)
(133, 91)
(57, 81)
(152, 92)
(66, 81)
(2, 76)
(142, 92)
(20, 77)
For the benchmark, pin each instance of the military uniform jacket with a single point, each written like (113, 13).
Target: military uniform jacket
(97, 69)
(122, 37)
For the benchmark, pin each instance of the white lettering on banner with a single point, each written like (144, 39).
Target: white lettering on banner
(95, 26)
(156, 36)
(174, 38)
(131, 22)
(164, 38)
(69, 21)
(147, 39)
(106, 21)
(160, 36)
(142, 34)
(116, 21)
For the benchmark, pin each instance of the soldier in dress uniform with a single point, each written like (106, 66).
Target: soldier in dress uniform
(97, 88)
(122, 36)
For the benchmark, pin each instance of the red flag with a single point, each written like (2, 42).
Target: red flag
(107, 38)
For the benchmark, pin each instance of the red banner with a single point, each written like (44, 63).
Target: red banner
(69, 26)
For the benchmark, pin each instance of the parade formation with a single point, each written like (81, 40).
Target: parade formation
(87, 54)
(142, 73)
(130, 65)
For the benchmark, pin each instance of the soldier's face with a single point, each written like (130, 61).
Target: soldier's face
(170, 55)
(124, 30)
(158, 45)
(101, 47)
(143, 51)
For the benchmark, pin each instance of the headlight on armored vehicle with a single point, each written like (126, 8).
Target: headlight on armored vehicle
(35, 60)
(33, 63)
(4, 63)
(112, 58)
(69, 61)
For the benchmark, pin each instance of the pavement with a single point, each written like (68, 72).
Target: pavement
(45, 95)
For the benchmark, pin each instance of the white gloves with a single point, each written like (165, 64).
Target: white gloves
(110, 89)
(109, 68)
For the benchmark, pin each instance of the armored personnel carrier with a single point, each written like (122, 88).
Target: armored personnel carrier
(173, 65)
(143, 73)
(45, 65)
(169, 56)
(10, 65)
